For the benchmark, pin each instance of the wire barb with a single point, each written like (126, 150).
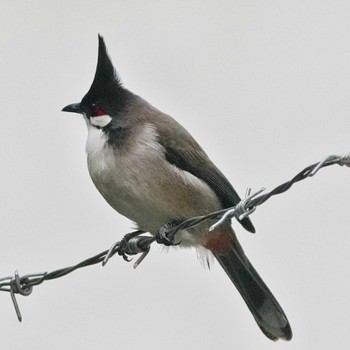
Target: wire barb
(344, 159)
(15, 304)
(17, 285)
(139, 243)
(241, 210)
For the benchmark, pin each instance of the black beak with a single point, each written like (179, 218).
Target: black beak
(74, 108)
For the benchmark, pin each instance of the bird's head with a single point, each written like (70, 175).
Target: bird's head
(106, 96)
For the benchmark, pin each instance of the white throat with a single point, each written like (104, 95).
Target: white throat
(96, 139)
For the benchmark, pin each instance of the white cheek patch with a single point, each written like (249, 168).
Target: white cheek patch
(101, 121)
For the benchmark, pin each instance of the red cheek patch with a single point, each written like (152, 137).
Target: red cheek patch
(99, 112)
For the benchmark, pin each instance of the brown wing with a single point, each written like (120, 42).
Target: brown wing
(185, 153)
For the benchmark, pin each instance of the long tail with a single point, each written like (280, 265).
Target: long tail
(262, 304)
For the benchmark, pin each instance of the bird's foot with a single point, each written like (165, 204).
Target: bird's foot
(166, 235)
(122, 248)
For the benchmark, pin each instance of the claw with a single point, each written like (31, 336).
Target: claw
(121, 248)
(166, 236)
(124, 255)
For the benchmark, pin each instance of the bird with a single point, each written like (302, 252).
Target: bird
(151, 170)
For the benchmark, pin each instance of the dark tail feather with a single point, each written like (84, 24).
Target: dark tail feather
(267, 312)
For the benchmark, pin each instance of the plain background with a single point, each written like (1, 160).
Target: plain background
(264, 86)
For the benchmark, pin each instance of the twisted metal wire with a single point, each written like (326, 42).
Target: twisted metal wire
(139, 242)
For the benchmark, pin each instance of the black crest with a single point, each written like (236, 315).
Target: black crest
(105, 75)
(106, 91)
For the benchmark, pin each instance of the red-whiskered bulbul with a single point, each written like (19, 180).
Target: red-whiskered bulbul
(151, 170)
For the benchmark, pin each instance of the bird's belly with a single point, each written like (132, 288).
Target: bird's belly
(143, 186)
(151, 196)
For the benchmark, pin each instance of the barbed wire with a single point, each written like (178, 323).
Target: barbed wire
(139, 242)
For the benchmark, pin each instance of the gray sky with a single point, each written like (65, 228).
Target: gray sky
(264, 86)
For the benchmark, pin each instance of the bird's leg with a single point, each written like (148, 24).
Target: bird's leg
(166, 234)
(122, 247)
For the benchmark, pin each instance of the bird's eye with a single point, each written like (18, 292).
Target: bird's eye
(97, 111)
